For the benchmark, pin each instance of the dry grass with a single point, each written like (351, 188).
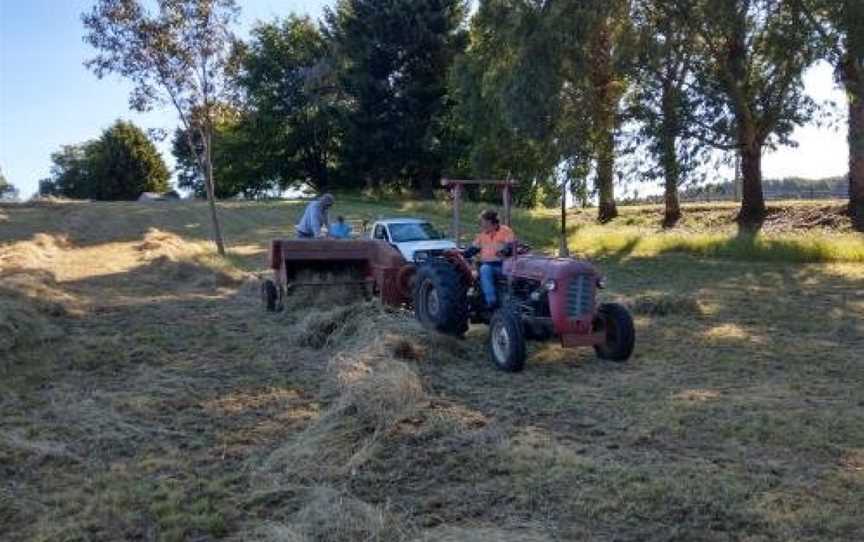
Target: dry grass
(146, 395)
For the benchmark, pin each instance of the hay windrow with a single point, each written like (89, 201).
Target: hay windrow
(330, 515)
(664, 305)
(37, 253)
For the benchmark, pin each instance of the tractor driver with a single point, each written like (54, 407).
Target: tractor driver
(493, 239)
(314, 218)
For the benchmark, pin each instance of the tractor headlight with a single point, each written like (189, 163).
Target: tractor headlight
(550, 285)
(601, 283)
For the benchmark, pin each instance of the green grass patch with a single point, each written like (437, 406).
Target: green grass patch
(603, 241)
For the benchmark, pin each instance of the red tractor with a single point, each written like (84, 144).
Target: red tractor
(542, 298)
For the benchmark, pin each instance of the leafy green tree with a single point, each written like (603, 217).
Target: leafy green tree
(238, 160)
(392, 58)
(562, 69)
(840, 24)
(124, 163)
(294, 104)
(178, 55)
(749, 63)
(492, 146)
(120, 165)
(7, 190)
(662, 99)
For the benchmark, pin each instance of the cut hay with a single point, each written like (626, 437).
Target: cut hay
(22, 325)
(37, 253)
(185, 262)
(484, 534)
(161, 244)
(375, 396)
(329, 515)
(30, 303)
(664, 305)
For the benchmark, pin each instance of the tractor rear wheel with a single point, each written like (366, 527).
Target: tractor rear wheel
(620, 333)
(506, 341)
(441, 298)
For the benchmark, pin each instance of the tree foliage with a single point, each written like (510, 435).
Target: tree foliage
(7, 190)
(177, 55)
(840, 25)
(239, 160)
(293, 104)
(662, 100)
(749, 65)
(559, 71)
(120, 165)
(392, 60)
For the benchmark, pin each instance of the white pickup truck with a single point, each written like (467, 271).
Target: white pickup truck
(415, 238)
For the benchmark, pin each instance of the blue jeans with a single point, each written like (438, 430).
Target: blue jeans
(488, 273)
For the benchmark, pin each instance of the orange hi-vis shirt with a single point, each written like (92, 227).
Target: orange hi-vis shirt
(490, 243)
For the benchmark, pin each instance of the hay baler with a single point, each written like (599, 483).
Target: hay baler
(373, 265)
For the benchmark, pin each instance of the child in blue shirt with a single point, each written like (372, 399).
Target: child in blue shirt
(340, 230)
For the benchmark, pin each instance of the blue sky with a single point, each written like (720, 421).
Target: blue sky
(48, 98)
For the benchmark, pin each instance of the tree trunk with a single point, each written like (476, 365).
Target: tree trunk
(855, 91)
(211, 194)
(564, 249)
(605, 98)
(671, 166)
(753, 201)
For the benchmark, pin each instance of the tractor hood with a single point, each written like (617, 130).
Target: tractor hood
(408, 249)
(542, 268)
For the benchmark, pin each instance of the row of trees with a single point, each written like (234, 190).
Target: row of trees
(397, 93)
(121, 164)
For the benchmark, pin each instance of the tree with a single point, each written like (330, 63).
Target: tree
(662, 99)
(295, 106)
(178, 55)
(239, 160)
(840, 24)
(749, 63)
(7, 190)
(120, 165)
(494, 146)
(562, 69)
(124, 163)
(392, 58)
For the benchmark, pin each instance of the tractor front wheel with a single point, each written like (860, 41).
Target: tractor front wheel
(506, 341)
(620, 333)
(441, 298)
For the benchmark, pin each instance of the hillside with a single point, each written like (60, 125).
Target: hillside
(146, 395)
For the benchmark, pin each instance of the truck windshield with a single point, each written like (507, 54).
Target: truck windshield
(406, 233)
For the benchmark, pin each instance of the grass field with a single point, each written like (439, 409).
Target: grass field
(144, 394)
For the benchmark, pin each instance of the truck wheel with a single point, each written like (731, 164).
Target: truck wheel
(440, 298)
(270, 296)
(620, 333)
(506, 341)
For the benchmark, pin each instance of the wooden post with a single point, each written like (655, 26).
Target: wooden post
(457, 204)
(564, 249)
(507, 204)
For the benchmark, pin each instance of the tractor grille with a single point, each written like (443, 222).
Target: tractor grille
(580, 296)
